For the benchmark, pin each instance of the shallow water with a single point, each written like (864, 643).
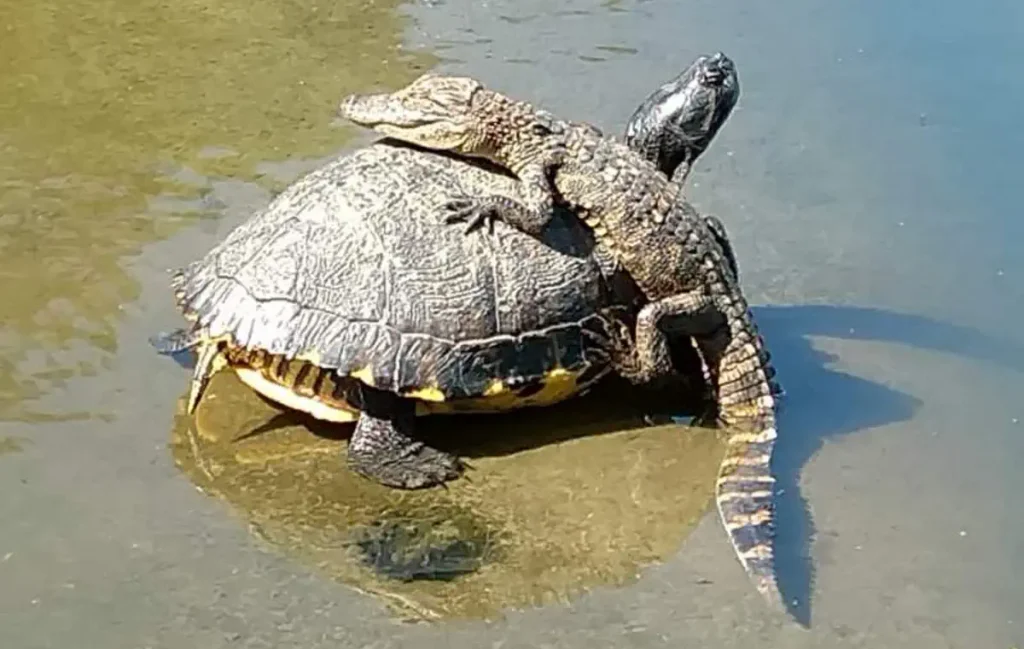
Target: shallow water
(864, 179)
(107, 104)
(556, 500)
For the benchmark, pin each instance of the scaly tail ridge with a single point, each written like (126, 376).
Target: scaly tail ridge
(744, 492)
(206, 361)
(745, 496)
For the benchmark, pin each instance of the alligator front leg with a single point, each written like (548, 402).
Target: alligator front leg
(534, 207)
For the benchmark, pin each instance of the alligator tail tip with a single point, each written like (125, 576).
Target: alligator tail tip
(745, 497)
(769, 589)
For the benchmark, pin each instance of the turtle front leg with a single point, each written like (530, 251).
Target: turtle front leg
(383, 448)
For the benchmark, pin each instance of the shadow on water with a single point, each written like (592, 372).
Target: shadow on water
(823, 403)
(560, 498)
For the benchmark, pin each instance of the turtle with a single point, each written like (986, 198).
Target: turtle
(348, 297)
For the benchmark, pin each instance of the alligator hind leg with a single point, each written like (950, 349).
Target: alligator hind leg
(646, 357)
(691, 313)
(383, 449)
(661, 360)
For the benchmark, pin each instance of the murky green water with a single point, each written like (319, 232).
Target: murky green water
(104, 101)
(10, 445)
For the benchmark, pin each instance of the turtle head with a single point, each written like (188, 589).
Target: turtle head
(714, 72)
(700, 99)
(450, 113)
(681, 117)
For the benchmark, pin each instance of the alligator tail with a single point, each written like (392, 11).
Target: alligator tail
(744, 493)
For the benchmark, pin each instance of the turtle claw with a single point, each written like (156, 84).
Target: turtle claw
(383, 450)
(416, 469)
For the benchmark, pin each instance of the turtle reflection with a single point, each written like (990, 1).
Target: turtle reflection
(408, 549)
(558, 500)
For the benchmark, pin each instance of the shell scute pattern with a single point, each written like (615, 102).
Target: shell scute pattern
(348, 269)
(421, 361)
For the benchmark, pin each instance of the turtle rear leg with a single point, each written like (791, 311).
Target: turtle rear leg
(383, 448)
(173, 342)
(208, 362)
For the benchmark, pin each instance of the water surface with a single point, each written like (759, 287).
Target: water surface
(865, 179)
(104, 103)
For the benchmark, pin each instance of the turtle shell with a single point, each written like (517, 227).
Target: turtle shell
(352, 269)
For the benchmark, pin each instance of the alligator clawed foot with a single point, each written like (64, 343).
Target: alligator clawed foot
(477, 214)
(614, 345)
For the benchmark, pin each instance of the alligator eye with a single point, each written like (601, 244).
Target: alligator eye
(541, 129)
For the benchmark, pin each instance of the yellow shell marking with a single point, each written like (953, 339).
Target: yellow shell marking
(337, 412)
(311, 356)
(252, 367)
(558, 385)
(496, 387)
(429, 393)
(364, 374)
